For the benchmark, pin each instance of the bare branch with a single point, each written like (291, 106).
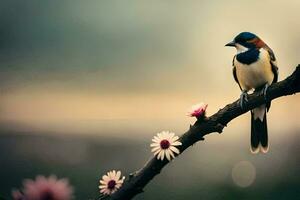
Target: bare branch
(215, 123)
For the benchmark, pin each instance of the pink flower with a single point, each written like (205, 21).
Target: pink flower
(17, 195)
(198, 110)
(43, 188)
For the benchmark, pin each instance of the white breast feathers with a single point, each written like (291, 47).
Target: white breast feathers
(256, 74)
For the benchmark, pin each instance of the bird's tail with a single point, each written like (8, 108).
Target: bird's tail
(259, 130)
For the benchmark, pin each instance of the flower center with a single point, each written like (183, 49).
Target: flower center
(47, 195)
(111, 184)
(164, 144)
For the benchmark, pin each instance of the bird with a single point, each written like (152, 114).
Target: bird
(254, 68)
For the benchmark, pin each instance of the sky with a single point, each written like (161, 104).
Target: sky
(97, 66)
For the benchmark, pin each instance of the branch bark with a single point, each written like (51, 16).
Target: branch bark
(215, 123)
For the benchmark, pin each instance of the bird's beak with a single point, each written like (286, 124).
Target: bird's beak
(230, 44)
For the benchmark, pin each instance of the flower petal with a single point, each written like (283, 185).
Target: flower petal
(170, 135)
(104, 191)
(174, 149)
(173, 139)
(155, 149)
(109, 175)
(114, 174)
(165, 134)
(171, 153)
(177, 143)
(159, 154)
(118, 175)
(156, 152)
(154, 144)
(156, 139)
(105, 178)
(113, 191)
(159, 135)
(162, 155)
(168, 154)
(120, 181)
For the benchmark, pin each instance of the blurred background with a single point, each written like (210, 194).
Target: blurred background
(86, 84)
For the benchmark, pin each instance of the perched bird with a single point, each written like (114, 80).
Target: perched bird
(254, 67)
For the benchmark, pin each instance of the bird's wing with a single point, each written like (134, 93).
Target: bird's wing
(274, 69)
(234, 73)
(273, 63)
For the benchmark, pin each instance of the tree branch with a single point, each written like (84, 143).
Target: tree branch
(215, 123)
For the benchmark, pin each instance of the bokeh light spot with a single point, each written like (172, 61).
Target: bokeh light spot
(243, 173)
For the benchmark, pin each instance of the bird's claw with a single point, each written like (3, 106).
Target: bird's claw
(243, 99)
(264, 91)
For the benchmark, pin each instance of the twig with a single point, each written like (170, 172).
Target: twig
(215, 123)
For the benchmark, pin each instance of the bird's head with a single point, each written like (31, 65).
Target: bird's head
(245, 41)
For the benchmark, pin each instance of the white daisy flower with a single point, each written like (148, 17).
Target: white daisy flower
(111, 182)
(164, 145)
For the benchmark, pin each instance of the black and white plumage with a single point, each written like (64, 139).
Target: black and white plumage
(254, 67)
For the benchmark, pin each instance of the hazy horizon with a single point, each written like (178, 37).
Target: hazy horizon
(79, 62)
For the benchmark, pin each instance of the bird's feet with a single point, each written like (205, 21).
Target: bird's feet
(243, 99)
(264, 91)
